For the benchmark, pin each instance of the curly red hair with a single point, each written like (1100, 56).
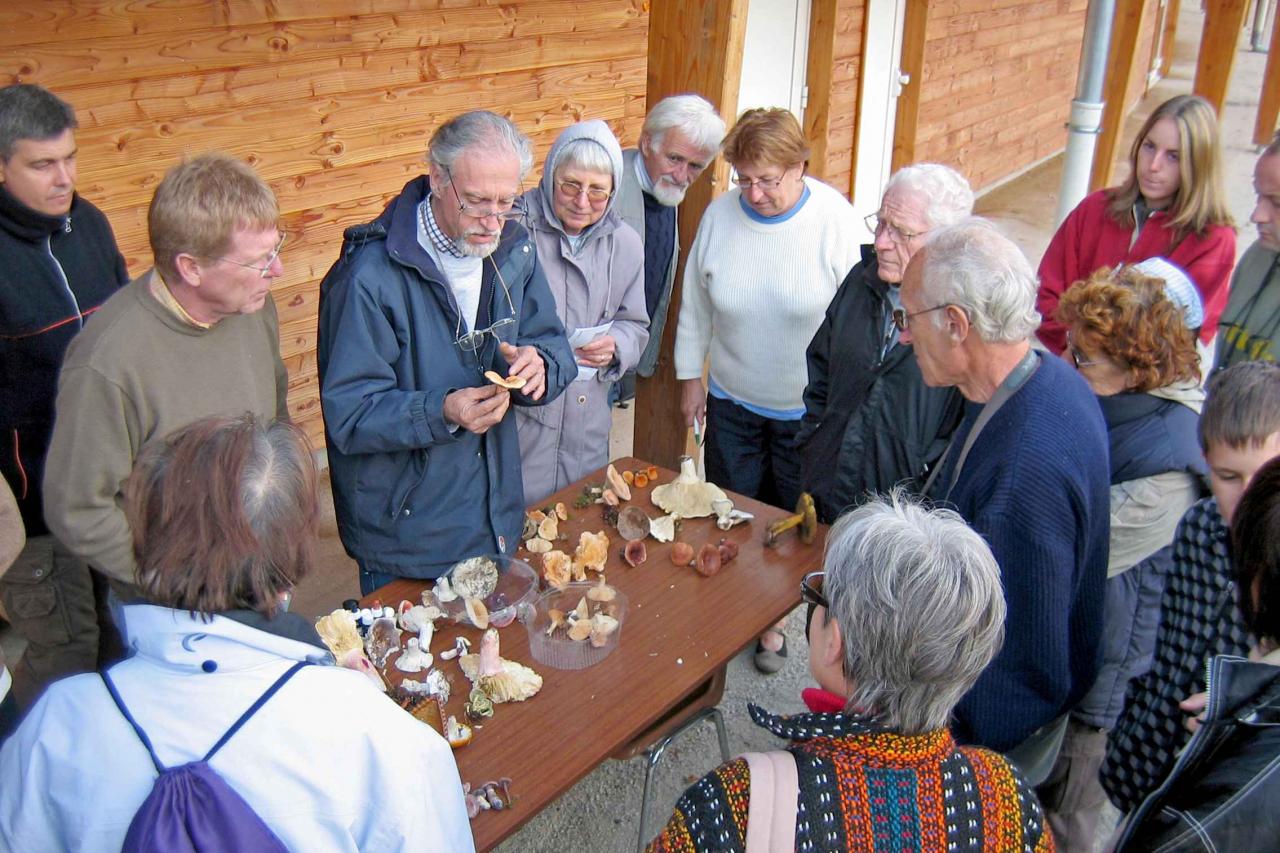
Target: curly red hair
(1125, 316)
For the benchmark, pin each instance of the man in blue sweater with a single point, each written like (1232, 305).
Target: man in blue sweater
(1027, 468)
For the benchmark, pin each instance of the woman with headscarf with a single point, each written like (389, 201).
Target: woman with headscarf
(594, 264)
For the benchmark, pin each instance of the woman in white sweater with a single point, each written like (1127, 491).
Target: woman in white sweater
(765, 264)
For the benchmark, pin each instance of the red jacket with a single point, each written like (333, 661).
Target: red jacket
(1090, 238)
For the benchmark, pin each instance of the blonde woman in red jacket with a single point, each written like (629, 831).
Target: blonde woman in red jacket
(1171, 206)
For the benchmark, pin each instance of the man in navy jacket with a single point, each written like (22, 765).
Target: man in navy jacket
(58, 263)
(1033, 481)
(439, 289)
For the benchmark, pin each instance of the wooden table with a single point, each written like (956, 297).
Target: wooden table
(680, 628)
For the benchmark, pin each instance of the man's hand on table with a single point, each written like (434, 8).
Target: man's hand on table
(477, 409)
(526, 362)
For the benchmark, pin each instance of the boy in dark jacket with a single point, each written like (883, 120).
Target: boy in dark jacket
(58, 263)
(1199, 618)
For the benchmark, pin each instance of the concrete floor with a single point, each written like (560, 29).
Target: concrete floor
(601, 812)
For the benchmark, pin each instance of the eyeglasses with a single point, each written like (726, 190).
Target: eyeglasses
(263, 271)
(1075, 355)
(503, 208)
(573, 189)
(812, 596)
(766, 184)
(902, 320)
(473, 341)
(875, 223)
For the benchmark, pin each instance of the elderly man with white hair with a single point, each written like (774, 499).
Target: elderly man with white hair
(680, 137)
(905, 615)
(1027, 468)
(870, 421)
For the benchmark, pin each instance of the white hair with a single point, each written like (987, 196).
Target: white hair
(918, 599)
(973, 266)
(946, 194)
(692, 115)
(477, 129)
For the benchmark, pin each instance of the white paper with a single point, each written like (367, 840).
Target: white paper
(581, 337)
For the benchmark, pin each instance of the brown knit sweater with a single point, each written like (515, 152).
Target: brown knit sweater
(135, 373)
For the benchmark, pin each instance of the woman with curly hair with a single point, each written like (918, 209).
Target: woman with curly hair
(1172, 205)
(1130, 334)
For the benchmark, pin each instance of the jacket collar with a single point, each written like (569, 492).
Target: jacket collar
(209, 644)
(857, 734)
(28, 224)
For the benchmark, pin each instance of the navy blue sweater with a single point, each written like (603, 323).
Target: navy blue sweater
(1035, 485)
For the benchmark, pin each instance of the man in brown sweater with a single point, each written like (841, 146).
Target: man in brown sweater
(194, 337)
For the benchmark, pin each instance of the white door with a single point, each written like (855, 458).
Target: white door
(881, 85)
(774, 55)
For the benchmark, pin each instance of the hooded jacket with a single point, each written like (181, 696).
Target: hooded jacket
(75, 772)
(870, 422)
(54, 272)
(412, 496)
(600, 281)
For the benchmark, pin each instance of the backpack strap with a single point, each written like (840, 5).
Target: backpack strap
(124, 711)
(253, 709)
(773, 801)
(244, 718)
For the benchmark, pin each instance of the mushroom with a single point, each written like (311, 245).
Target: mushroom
(511, 382)
(460, 647)
(634, 552)
(619, 485)
(663, 528)
(682, 554)
(633, 523)
(414, 658)
(555, 620)
(688, 495)
(805, 518)
(477, 613)
(709, 561)
(728, 550)
(727, 516)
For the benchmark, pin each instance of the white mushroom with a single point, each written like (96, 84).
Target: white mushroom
(414, 658)
(688, 495)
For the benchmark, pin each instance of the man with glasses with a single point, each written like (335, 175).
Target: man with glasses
(194, 337)
(870, 422)
(680, 137)
(1027, 468)
(58, 264)
(441, 288)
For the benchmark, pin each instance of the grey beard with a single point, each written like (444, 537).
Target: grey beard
(473, 251)
(667, 194)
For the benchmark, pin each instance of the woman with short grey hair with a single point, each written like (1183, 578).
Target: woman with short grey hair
(906, 614)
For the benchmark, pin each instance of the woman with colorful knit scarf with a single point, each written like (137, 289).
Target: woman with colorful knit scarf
(906, 614)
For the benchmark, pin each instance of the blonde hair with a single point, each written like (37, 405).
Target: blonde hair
(200, 205)
(1199, 201)
(766, 136)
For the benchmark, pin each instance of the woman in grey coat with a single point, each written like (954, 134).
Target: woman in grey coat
(594, 263)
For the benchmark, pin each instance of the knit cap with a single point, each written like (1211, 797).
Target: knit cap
(1178, 288)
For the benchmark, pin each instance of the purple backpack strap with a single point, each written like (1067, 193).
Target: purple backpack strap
(191, 807)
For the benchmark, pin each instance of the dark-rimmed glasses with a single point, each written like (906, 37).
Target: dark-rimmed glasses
(874, 223)
(812, 596)
(902, 320)
(503, 209)
(1076, 358)
(473, 341)
(263, 271)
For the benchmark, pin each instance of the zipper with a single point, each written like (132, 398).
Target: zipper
(48, 245)
(17, 458)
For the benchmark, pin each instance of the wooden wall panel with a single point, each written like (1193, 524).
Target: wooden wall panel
(835, 54)
(332, 101)
(996, 85)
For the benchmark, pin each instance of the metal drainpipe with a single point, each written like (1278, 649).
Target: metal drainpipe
(1262, 10)
(1086, 109)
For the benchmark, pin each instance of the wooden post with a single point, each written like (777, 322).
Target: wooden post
(912, 64)
(1170, 34)
(1269, 104)
(818, 71)
(1223, 20)
(1124, 42)
(694, 46)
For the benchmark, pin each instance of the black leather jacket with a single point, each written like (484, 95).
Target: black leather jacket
(1224, 791)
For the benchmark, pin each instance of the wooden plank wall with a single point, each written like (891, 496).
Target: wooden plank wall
(998, 80)
(839, 82)
(332, 101)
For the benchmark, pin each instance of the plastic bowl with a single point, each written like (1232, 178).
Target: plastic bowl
(516, 590)
(558, 651)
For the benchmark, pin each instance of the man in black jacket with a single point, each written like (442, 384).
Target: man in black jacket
(58, 263)
(870, 422)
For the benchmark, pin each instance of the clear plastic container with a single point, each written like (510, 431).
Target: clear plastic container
(558, 651)
(516, 589)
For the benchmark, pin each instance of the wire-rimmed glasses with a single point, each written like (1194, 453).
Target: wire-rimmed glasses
(265, 270)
